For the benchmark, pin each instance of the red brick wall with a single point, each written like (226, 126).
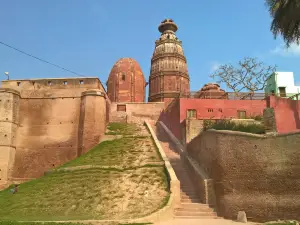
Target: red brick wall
(175, 114)
(129, 89)
(287, 113)
(222, 108)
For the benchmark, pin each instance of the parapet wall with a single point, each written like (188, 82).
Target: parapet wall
(135, 112)
(252, 173)
(57, 122)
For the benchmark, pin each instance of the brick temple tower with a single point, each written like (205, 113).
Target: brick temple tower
(126, 82)
(169, 75)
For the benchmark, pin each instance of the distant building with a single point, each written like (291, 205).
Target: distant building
(282, 84)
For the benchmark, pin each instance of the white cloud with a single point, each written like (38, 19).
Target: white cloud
(293, 50)
(214, 66)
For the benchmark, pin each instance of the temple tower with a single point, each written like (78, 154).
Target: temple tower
(169, 75)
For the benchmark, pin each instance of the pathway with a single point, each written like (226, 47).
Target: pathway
(190, 203)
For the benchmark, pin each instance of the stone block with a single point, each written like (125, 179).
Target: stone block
(241, 217)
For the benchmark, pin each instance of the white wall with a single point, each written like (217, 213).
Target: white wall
(286, 79)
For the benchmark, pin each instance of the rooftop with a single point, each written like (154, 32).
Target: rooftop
(64, 78)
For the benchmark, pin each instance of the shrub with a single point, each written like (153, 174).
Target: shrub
(229, 125)
(256, 117)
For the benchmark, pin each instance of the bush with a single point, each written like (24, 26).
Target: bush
(257, 117)
(229, 125)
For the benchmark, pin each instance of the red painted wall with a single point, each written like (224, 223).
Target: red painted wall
(222, 108)
(287, 113)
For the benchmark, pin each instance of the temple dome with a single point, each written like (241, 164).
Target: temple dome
(211, 90)
(212, 87)
(126, 81)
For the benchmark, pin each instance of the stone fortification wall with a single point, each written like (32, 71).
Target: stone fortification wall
(9, 121)
(252, 173)
(59, 119)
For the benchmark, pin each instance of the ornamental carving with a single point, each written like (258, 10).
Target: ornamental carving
(168, 65)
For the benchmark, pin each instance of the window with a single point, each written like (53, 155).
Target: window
(81, 82)
(210, 110)
(65, 82)
(18, 83)
(49, 83)
(282, 92)
(241, 114)
(123, 76)
(121, 108)
(191, 113)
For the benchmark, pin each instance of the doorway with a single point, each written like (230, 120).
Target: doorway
(282, 92)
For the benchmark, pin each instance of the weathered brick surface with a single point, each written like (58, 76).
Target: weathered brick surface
(54, 124)
(126, 82)
(171, 117)
(193, 129)
(136, 112)
(9, 120)
(169, 74)
(269, 120)
(256, 174)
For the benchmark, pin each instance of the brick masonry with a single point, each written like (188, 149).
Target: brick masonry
(47, 122)
(252, 173)
(126, 82)
(136, 112)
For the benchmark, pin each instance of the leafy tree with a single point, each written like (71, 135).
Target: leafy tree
(286, 19)
(249, 75)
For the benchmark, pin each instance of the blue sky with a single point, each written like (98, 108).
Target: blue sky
(89, 36)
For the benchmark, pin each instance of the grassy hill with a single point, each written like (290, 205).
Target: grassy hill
(118, 179)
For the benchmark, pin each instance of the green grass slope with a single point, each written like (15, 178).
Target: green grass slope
(120, 179)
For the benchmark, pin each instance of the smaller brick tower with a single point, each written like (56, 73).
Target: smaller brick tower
(126, 82)
(169, 75)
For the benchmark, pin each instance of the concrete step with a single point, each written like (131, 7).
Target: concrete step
(194, 209)
(198, 206)
(197, 214)
(197, 217)
(188, 192)
(190, 196)
(189, 200)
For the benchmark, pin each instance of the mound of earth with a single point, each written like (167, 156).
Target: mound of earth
(117, 179)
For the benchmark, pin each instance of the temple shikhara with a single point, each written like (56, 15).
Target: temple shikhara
(45, 123)
(169, 73)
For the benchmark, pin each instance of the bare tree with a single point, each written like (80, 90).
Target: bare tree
(249, 75)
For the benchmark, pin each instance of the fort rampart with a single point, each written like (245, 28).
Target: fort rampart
(47, 122)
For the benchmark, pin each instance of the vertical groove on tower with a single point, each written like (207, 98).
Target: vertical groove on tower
(168, 75)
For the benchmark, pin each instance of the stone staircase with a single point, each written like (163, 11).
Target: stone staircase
(190, 202)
